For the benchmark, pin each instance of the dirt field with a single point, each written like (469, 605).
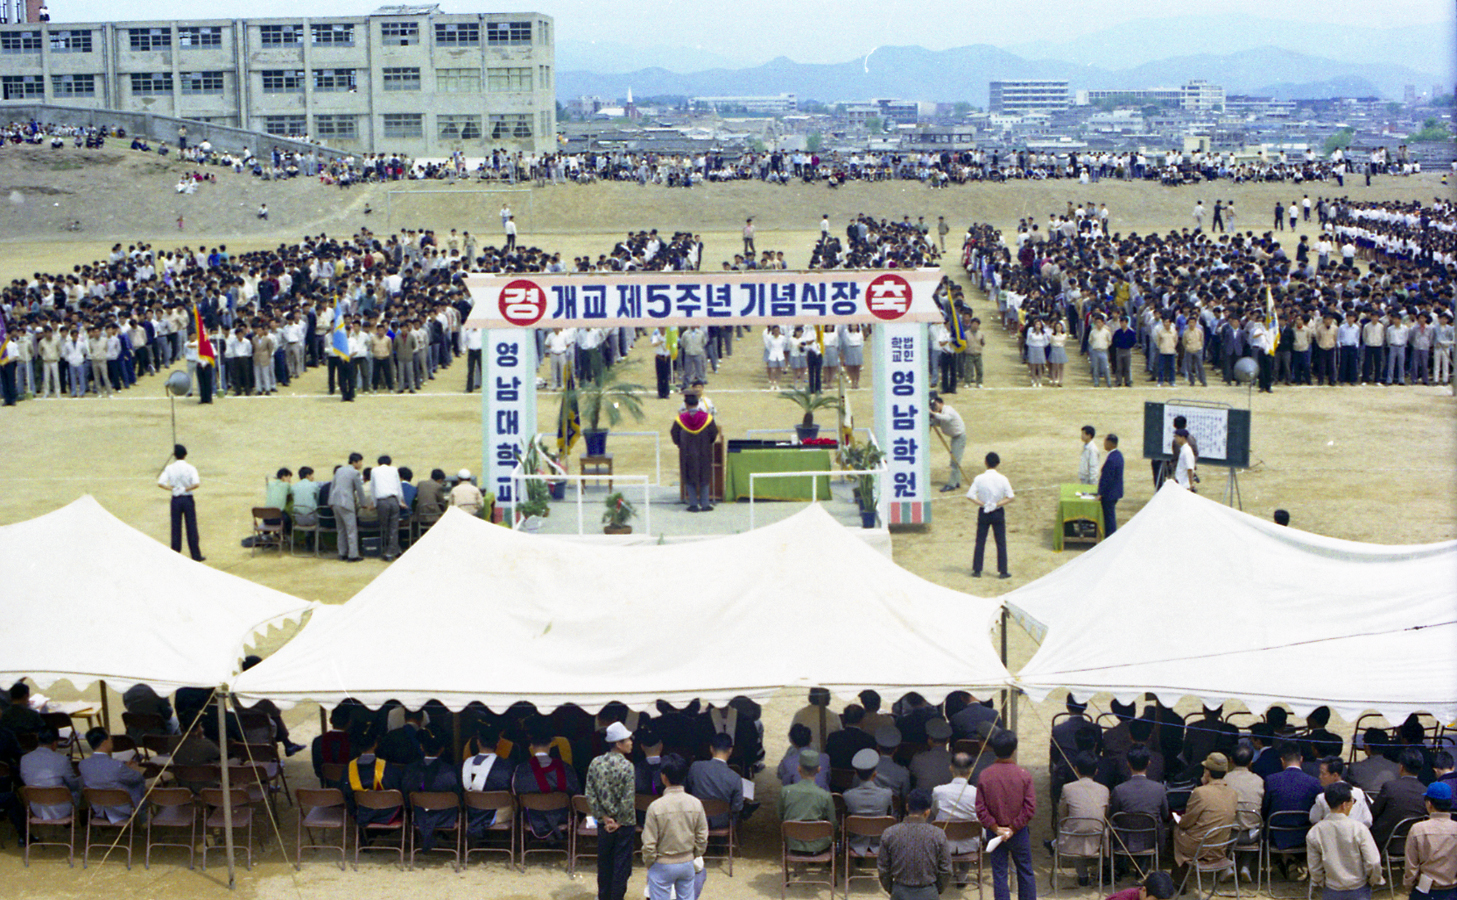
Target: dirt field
(1366, 464)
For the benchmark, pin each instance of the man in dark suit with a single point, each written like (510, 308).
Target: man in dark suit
(1140, 794)
(1372, 773)
(1267, 760)
(1400, 798)
(1290, 790)
(841, 746)
(1110, 483)
(712, 779)
(1064, 733)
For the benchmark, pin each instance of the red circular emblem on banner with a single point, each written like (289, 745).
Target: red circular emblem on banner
(522, 302)
(888, 297)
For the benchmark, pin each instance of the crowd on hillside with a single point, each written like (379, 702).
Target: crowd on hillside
(1305, 310)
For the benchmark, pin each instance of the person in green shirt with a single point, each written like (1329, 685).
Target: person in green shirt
(805, 801)
(305, 496)
(276, 495)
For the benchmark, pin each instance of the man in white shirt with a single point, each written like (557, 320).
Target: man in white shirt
(991, 491)
(1332, 771)
(389, 500)
(180, 477)
(1088, 461)
(510, 234)
(1185, 473)
(948, 421)
(956, 802)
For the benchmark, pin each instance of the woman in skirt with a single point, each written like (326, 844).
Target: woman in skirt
(1057, 353)
(776, 349)
(797, 363)
(852, 352)
(1037, 340)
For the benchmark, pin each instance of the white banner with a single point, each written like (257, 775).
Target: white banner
(1209, 428)
(902, 421)
(651, 299)
(508, 414)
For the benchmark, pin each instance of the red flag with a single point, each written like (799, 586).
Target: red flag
(204, 346)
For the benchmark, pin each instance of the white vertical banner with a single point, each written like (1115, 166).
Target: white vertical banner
(902, 420)
(508, 408)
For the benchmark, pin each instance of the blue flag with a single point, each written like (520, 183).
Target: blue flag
(338, 339)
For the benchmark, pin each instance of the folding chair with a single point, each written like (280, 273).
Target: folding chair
(96, 819)
(1394, 852)
(216, 801)
(196, 778)
(49, 796)
(141, 725)
(1078, 828)
(160, 747)
(173, 807)
(557, 800)
(861, 826)
(727, 837)
(7, 792)
(321, 809)
(299, 529)
(333, 773)
(327, 525)
(436, 801)
(964, 830)
(381, 801)
(1250, 836)
(807, 831)
(504, 805)
(1135, 836)
(70, 740)
(1224, 862)
(1291, 822)
(265, 758)
(582, 810)
(267, 529)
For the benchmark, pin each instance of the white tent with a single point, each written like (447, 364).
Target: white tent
(1192, 598)
(478, 612)
(86, 597)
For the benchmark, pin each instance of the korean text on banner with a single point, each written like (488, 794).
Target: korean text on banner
(902, 425)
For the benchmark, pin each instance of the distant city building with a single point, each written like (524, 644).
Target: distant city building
(407, 79)
(1199, 96)
(1196, 96)
(1018, 97)
(778, 103)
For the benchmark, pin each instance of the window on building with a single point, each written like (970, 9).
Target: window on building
(458, 81)
(459, 127)
(499, 34)
(501, 80)
(202, 82)
(140, 40)
(404, 125)
(543, 75)
(200, 36)
(401, 78)
(283, 81)
(510, 125)
(334, 80)
(399, 34)
(333, 35)
(543, 32)
(22, 87)
(336, 127)
(285, 126)
(151, 82)
(458, 34)
(20, 42)
(73, 85)
(280, 35)
(70, 41)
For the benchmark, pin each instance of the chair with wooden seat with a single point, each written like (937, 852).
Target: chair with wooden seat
(217, 804)
(437, 802)
(196, 778)
(49, 796)
(582, 811)
(381, 801)
(267, 529)
(552, 802)
(866, 827)
(160, 747)
(257, 727)
(266, 759)
(333, 773)
(140, 725)
(252, 779)
(173, 808)
(504, 804)
(97, 800)
(965, 830)
(321, 809)
(807, 831)
(726, 837)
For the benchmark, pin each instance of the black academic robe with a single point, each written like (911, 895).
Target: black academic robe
(434, 775)
(498, 779)
(535, 778)
(694, 433)
(369, 778)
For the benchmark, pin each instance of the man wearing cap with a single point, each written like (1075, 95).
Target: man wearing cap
(888, 772)
(805, 801)
(1005, 805)
(1207, 818)
(1431, 849)
(1344, 862)
(466, 496)
(610, 791)
(868, 797)
(931, 768)
(914, 860)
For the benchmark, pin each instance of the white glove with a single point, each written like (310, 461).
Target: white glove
(697, 864)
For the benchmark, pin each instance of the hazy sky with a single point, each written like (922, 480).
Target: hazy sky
(810, 30)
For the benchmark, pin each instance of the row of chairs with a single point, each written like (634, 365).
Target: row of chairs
(268, 530)
(839, 862)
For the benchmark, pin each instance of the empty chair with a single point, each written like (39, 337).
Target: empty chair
(807, 831)
(99, 801)
(140, 725)
(321, 809)
(267, 529)
(435, 812)
(270, 765)
(393, 827)
(1394, 853)
(218, 804)
(490, 813)
(171, 808)
(50, 796)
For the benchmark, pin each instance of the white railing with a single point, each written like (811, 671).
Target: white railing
(518, 484)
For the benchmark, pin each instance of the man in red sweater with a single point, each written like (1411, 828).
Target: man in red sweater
(1005, 804)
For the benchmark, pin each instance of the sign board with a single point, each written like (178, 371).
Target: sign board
(902, 421)
(1222, 434)
(651, 299)
(508, 413)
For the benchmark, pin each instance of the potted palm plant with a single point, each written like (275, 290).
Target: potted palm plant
(808, 402)
(605, 397)
(865, 457)
(616, 514)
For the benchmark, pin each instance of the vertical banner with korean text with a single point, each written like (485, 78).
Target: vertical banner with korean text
(508, 408)
(902, 423)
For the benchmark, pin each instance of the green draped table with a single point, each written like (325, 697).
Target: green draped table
(742, 464)
(1072, 508)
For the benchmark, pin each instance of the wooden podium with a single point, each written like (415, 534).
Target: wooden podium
(715, 490)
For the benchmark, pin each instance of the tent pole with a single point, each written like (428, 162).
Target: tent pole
(1006, 697)
(323, 720)
(105, 709)
(226, 785)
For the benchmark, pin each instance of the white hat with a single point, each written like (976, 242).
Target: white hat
(617, 732)
(463, 475)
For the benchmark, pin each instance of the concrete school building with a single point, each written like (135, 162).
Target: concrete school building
(406, 79)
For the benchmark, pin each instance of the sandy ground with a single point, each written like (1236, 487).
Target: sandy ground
(1366, 464)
